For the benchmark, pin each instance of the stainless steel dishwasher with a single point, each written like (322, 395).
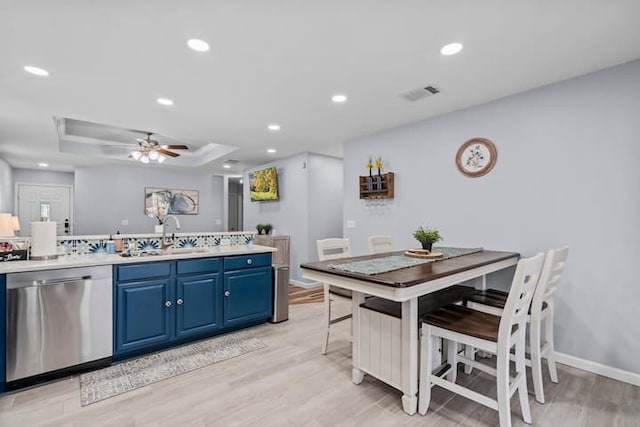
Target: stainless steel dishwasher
(58, 321)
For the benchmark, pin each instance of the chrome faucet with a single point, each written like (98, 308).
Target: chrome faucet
(163, 241)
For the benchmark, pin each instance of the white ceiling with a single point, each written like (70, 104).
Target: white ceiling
(280, 61)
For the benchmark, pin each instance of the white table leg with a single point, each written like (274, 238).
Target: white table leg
(357, 375)
(410, 356)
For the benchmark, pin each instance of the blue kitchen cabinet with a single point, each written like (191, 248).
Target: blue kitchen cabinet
(143, 314)
(198, 306)
(2, 332)
(247, 289)
(160, 303)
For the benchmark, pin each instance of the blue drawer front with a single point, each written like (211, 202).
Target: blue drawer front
(247, 261)
(204, 265)
(145, 270)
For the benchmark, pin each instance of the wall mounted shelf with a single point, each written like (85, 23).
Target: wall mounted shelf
(373, 188)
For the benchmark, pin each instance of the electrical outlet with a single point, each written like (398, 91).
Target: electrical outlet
(218, 221)
(351, 223)
(124, 222)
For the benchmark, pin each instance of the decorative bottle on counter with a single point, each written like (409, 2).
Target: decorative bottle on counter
(118, 242)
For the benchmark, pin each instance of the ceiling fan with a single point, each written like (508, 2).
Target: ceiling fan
(150, 149)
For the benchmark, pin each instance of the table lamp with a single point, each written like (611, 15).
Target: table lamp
(7, 226)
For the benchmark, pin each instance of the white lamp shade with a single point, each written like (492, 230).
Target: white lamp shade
(6, 225)
(153, 155)
(16, 223)
(160, 158)
(136, 154)
(144, 159)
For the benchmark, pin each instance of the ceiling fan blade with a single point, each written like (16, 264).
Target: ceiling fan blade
(167, 153)
(141, 140)
(176, 147)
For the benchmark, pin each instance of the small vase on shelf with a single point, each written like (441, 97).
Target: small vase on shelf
(379, 181)
(427, 246)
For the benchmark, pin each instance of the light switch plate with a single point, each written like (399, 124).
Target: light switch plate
(124, 222)
(218, 221)
(351, 224)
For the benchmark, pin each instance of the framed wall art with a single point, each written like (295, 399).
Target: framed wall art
(476, 157)
(163, 201)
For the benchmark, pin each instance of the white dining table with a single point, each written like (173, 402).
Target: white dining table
(405, 286)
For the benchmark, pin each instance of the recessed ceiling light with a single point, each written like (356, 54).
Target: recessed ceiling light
(271, 150)
(274, 127)
(164, 101)
(339, 98)
(43, 165)
(451, 49)
(226, 166)
(36, 71)
(198, 45)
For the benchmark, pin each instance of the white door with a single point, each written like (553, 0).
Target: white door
(44, 203)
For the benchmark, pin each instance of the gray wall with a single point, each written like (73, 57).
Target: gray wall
(6, 187)
(33, 176)
(566, 174)
(106, 195)
(296, 214)
(325, 200)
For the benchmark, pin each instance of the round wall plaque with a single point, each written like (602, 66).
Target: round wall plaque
(476, 157)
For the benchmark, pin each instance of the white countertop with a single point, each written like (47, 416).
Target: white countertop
(69, 261)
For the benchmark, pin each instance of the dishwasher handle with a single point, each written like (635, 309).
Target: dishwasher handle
(46, 282)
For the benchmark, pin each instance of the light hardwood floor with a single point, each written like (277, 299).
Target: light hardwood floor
(291, 384)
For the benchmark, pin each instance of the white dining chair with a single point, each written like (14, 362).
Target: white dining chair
(497, 335)
(329, 249)
(493, 301)
(380, 244)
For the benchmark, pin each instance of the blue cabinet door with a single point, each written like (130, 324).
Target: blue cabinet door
(198, 306)
(2, 331)
(247, 295)
(144, 314)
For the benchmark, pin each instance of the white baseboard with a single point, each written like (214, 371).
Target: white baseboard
(307, 285)
(597, 368)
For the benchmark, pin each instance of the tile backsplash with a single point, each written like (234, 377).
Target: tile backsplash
(78, 245)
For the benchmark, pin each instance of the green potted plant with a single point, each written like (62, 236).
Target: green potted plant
(260, 228)
(427, 236)
(266, 228)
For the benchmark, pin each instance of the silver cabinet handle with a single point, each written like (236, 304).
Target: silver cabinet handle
(249, 261)
(167, 304)
(180, 301)
(227, 293)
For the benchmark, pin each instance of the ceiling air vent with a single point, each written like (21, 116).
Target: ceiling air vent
(420, 93)
(231, 161)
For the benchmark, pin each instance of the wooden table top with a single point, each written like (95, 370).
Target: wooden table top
(417, 274)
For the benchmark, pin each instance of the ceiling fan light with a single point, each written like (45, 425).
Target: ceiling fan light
(136, 155)
(144, 159)
(161, 158)
(153, 155)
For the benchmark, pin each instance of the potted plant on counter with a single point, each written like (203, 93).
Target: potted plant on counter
(266, 228)
(427, 236)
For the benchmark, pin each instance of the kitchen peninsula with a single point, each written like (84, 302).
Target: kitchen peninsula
(102, 307)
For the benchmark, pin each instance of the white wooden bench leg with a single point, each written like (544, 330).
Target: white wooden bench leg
(452, 359)
(469, 353)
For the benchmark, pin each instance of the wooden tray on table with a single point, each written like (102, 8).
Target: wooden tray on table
(423, 253)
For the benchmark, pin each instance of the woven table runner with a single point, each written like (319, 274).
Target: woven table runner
(397, 262)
